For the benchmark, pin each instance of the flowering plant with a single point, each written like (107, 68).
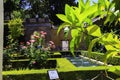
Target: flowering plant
(37, 49)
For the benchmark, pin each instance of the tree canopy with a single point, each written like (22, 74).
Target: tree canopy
(57, 6)
(31, 8)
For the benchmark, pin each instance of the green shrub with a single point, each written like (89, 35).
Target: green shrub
(55, 55)
(15, 29)
(100, 56)
(25, 63)
(114, 60)
(64, 75)
(26, 77)
(66, 71)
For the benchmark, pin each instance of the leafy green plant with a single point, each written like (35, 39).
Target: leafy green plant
(15, 29)
(111, 43)
(75, 19)
(109, 40)
(16, 14)
(37, 49)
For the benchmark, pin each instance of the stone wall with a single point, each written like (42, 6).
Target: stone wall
(58, 38)
(32, 25)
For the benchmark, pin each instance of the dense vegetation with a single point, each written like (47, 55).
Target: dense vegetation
(30, 8)
(79, 19)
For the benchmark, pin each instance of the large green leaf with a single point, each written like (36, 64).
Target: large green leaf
(91, 10)
(88, 21)
(109, 54)
(67, 9)
(63, 18)
(81, 5)
(77, 35)
(63, 25)
(76, 12)
(109, 40)
(107, 4)
(69, 12)
(94, 30)
(72, 45)
(92, 44)
(78, 39)
(87, 5)
(110, 47)
(110, 18)
(101, 2)
(107, 37)
(116, 70)
(73, 15)
(74, 33)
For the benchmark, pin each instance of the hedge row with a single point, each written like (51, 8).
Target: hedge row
(100, 56)
(67, 75)
(66, 71)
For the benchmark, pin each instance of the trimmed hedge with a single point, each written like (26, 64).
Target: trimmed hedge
(100, 56)
(25, 63)
(64, 53)
(55, 55)
(69, 75)
(114, 60)
(66, 71)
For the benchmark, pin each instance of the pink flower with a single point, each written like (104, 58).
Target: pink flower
(24, 47)
(35, 36)
(43, 33)
(28, 43)
(32, 41)
(51, 42)
(43, 36)
(34, 62)
(52, 46)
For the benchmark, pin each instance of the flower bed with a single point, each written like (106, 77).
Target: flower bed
(32, 54)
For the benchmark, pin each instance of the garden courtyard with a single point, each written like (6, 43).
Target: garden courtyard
(56, 40)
